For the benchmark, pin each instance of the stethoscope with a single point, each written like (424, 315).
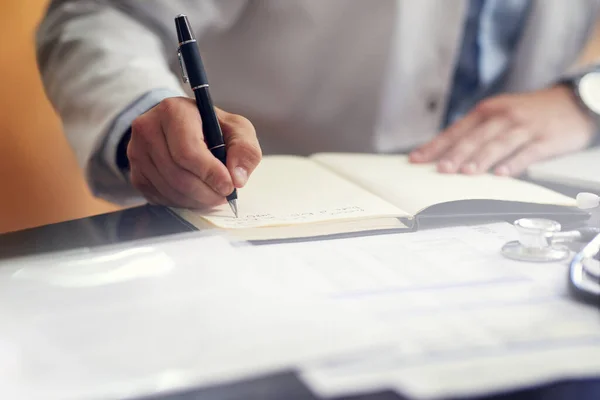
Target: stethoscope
(541, 240)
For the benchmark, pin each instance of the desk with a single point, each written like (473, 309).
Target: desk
(117, 227)
(151, 221)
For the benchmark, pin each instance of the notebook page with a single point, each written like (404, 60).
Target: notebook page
(414, 187)
(465, 319)
(286, 190)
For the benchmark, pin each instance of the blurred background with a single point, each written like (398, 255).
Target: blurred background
(41, 182)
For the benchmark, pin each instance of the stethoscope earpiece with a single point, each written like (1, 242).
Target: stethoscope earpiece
(587, 201)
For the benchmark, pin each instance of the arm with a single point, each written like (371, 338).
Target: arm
(104, 64)
(508, 132)
(96, 62)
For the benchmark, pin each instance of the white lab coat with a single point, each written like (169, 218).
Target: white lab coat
(312, 75)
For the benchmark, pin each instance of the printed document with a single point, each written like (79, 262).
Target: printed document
(464, 319)
(157, 317)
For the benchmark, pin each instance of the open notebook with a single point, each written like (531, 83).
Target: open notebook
(338, 193)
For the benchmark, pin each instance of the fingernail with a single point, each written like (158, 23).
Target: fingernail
(446, 166)
(502, 170)
(240, 175)
(470, 168)
(224, 189)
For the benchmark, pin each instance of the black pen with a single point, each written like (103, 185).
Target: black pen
(193, 72)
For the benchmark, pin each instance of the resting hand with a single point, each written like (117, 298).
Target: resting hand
(510, 132)
(171, 165)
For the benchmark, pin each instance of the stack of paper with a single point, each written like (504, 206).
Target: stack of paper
(124, 322)
(432, 314)
(464, 319)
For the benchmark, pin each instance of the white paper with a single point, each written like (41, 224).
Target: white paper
(465, 320)
(125, 322)
(288, 190)
(419, 186)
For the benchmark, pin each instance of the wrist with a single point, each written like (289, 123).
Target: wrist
(122, 160)
(585, 91)
(115, 150)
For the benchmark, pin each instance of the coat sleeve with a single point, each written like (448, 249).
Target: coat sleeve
(102, 64)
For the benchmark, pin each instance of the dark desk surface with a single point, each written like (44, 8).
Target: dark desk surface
(150, 221)
(117, 227)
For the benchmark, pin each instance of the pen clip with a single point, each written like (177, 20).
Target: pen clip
(182, 66)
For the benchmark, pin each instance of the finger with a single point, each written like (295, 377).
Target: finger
(470, 143)
(137, 163)
(182, 126)
(145, 176)
(176, 188)
(497, 150)
(151, 180)
(243, 150)
(182, 181)
(145, 187)
(174, 197)
(534, 151)
(438, 146)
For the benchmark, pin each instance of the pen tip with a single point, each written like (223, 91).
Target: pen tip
(234, 208)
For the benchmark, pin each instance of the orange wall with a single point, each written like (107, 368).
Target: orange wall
(40, 181)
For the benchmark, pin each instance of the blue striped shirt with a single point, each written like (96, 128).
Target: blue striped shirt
(491, 33)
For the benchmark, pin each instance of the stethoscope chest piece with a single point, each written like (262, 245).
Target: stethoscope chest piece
(534, 244)
(516, 251)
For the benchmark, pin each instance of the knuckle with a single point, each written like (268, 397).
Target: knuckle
(515, 138)
(139, 126)
(485, 107)
(515, 115)
(435, 146)
(240, 122)
(490, 151)
(491, 105)
(143, 128)
(240, 125)
(248, 154)
(463, 149)
(167, 105)
(187, 157)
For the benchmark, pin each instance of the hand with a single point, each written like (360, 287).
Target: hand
(509, 133)
(171, 165)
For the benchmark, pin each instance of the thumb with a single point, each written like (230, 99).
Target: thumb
(243, 150)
